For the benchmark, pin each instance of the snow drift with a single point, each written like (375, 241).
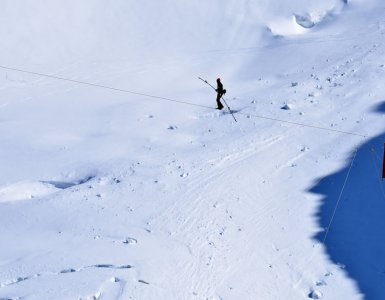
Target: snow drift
(107, 194)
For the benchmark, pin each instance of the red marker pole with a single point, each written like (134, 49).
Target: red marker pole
(383, 164)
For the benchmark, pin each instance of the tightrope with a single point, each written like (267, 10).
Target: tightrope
(178, 101)
(102, 86)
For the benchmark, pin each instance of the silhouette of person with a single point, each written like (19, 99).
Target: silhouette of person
(220, 92)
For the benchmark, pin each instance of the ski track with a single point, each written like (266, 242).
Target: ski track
(64, 271)
(211, 250)
(216, 209)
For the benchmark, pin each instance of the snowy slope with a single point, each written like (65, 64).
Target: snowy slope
(106, 194)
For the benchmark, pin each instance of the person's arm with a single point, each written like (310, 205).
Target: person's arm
(220, 87)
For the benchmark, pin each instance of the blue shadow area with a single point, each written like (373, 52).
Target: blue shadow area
(356, 238)
(380, 108)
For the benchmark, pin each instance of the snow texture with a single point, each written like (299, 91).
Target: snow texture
(143, 190)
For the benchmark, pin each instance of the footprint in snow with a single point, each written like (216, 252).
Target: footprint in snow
(13, 281)
(112, 288)
(130, 241)
(62, 272)
(314, 294)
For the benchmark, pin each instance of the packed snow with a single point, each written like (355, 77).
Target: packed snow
(120, 179)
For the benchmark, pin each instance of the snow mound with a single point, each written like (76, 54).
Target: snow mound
(26, 190)
(301, 23)
(309, 20)
(29, 189)
(286, 27)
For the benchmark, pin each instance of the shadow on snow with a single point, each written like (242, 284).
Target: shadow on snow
(356, 238)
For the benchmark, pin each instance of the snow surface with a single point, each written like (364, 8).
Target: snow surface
(112, 195)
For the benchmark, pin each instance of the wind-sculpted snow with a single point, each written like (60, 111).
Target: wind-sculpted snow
(62, 34)
(120, 180)
(28, 190)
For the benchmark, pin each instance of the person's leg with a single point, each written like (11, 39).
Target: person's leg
(220, 105)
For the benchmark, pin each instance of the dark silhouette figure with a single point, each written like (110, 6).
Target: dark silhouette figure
(220, 92)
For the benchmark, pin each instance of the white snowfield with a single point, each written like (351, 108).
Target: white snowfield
(106, 193)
